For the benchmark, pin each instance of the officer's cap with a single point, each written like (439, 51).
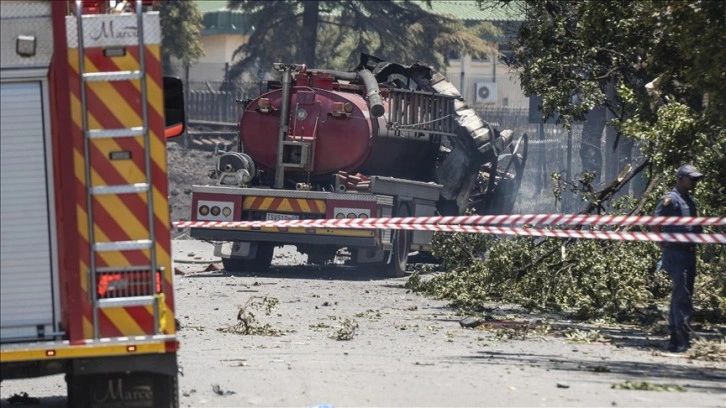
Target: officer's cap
(690, 171)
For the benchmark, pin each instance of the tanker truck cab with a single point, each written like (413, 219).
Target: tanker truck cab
(327, 145)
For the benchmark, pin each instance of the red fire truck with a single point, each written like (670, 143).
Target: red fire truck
(85, 263)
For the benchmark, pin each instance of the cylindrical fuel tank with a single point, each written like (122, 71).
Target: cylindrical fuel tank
(339, 132)
(338, 140)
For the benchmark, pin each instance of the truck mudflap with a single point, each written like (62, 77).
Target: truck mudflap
(137, 381)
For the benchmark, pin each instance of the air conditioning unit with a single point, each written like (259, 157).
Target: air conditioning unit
(486, 92)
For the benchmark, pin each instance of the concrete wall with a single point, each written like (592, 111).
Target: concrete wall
(497, 83)
(218, 50)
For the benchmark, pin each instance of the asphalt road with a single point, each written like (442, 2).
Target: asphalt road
(356, 338)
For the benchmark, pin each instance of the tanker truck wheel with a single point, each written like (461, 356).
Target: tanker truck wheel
(400, 247)
(261, 263)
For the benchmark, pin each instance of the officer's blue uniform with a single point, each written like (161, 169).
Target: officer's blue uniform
(679, 259)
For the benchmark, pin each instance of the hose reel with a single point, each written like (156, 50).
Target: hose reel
(234, 169)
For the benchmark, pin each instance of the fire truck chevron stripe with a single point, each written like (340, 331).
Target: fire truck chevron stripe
(130, 90)
(124, 321)
(114, 105)
(136, 202)
(107, 326)
(105, 258)
(153, 64)
(298, 205)
(133, 221)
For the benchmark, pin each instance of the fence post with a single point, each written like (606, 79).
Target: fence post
(186, 105)
(568, 195)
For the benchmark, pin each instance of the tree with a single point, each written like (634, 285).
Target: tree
(602, 53)
(181, 24)
(657, 66)
(332, 34)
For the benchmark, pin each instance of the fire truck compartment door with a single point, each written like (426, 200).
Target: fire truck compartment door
(28, 272)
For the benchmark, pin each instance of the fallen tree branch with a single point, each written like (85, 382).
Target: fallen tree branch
(641, 203)
(624, 176)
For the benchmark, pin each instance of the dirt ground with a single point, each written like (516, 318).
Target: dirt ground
(344, 337)
(405, 350)
(186, 167)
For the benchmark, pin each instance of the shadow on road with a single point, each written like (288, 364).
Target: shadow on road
(30, 401)
(307, 272)
(645, 370)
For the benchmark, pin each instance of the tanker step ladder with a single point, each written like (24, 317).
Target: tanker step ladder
(132, 285)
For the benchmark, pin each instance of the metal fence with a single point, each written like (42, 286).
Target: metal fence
(213, 106)
(215, 102)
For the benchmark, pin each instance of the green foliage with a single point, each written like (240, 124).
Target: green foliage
(680, 135)
(347, 330)
(647, 386)
(586, 336)
(247, 322)
(590, 278)
(708, 350)
(332, 34)
(578, 55)
(181, 24)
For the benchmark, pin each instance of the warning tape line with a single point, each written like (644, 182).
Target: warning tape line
(524, 219)
(473, 224)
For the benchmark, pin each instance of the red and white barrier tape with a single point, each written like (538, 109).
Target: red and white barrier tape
(475, 224)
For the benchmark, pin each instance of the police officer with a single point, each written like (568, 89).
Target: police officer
(679, 259)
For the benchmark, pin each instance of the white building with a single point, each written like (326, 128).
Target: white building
(484, 83)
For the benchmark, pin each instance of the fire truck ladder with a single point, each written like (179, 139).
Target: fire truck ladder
(139, 285)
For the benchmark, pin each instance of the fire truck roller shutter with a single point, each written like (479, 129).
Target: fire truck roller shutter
(27, 254)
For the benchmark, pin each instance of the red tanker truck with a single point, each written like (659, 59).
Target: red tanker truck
(383, 140)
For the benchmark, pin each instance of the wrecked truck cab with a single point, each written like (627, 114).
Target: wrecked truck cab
(383, 140)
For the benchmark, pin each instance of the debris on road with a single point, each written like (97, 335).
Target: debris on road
(708, 350)
(247, 320)
(647, 386)
(347, 330)
(219, 391)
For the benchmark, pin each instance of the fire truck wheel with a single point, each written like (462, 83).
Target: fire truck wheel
(261, 263)
(401, 245)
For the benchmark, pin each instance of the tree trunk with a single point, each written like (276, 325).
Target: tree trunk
(309, 33)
